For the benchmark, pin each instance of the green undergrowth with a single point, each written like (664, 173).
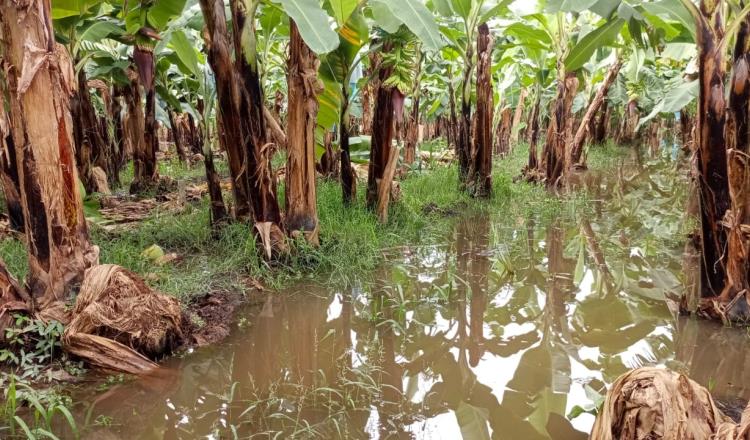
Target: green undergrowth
(352, 240)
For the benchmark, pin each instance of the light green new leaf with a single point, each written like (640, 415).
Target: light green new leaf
(673, 9)
(185, 51)
(674, 101)
(69, 8)
(443, 7)
(419, 20)
(342, 9)
(100, 30)
(384, 18)
(569, 5)
(313, 25)
(462, 8)
(586, 47)
(163, 11)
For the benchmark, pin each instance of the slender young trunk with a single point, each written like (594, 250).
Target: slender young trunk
(711, 151)
(367, 98)
(453, 121)
(386, 100)
(348, 179)
(177, 137)
(576, 149)
(480, 169)
(738, 151)
(218, 209)
(412, 121)
(557, 132)
(145, 169)
(515, 125)
(41, 127)
(463, 141)
(301, 207)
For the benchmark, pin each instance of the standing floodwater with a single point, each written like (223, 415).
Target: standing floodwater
(508, 328)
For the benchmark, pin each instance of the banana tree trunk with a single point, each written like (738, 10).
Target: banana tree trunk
(738, 173)
(602, 123)
(145, 169)
(91, 148)
(533, 135)
(348, 179)
(711, 149)
(557, 132)
(480, 169)
(517, 115)
(301, 207)
(218, 209)
(41, 128)
(630, 123)
(576, 149)
(453, 128)
(387, 99)
(503, 133)
(240, 109)
(463, 141)
(178, 137)
(686, 131)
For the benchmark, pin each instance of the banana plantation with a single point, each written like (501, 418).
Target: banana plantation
(375, 219)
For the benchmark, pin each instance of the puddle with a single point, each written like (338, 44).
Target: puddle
(509, 331)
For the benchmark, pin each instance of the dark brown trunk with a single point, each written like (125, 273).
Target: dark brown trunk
(687, 124)
(145, 170)
(737, 218)
(218, 209)
(602, 123)
(9, 181)
(41, 127)
(533, 136)
(90, 147)
(711, 150)
(559, 128)
(480, 169)
(504, 128)
(301, 208)
(386, 99)
(576, 149)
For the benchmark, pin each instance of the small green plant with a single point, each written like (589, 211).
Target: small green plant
(32, 345)
(29, 413)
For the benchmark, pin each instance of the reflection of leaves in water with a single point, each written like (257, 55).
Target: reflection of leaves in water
(472, 421)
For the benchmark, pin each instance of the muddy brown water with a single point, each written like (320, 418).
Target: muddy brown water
(504, 328)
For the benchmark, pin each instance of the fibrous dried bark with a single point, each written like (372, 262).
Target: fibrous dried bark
(304, 85)
(39, 97)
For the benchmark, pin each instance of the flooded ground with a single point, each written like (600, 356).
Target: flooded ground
(506, 328)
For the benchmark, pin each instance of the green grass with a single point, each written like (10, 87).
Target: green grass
(352, 240)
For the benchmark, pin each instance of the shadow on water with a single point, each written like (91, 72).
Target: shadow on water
(507, 329)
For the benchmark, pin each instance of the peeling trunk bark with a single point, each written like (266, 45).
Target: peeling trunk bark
(711, 151)
(41, 127)
(737, 218)
(145, 169)
(303, 83)
(9, 180)
(653, 138)
(557, 132)
(576, 149)
(503, 133)
(480, 169)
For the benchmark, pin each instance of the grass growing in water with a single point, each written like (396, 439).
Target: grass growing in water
(352, 240)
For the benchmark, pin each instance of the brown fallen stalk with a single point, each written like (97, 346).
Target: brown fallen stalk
(653, 403)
